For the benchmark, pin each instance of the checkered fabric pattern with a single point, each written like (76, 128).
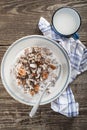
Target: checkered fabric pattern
(77, 52)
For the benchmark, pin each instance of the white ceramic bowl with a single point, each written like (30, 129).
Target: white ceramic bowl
(29, 41)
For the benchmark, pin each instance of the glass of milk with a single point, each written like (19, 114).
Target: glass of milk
(66, 21)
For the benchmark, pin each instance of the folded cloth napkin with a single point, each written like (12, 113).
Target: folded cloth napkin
(77, 52)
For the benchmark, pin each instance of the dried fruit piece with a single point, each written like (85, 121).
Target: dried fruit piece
(22, 72)
(52, 66)
(36, 88)
(32, 92)
(45, 75)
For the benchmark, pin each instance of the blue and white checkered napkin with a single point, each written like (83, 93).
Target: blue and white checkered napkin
(77, 52)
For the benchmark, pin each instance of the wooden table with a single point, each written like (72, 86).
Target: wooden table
(19, 18)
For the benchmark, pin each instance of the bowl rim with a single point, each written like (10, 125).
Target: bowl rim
(7, 86)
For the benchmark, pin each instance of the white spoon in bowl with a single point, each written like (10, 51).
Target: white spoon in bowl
(53, 81)
(35, 107)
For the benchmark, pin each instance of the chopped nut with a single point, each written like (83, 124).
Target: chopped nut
(44, 66)
(23, 82)
(37, 76)
(33, 70)
(41, 79)
(28, 82)
(33, 65)
(39, 70)
(26, 51)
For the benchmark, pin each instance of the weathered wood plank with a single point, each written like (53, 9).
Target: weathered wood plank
(15, 114)
(19, 18)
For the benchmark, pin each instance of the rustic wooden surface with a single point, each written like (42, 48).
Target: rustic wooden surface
(19, 18)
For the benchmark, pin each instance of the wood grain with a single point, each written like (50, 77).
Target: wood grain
(19, 18)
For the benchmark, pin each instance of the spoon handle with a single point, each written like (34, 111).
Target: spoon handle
(35, 107)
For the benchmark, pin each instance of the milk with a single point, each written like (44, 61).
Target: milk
(66, 21)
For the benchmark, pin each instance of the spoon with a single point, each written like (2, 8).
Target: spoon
(35, 107)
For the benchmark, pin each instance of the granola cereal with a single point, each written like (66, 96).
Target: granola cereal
(33, 67)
